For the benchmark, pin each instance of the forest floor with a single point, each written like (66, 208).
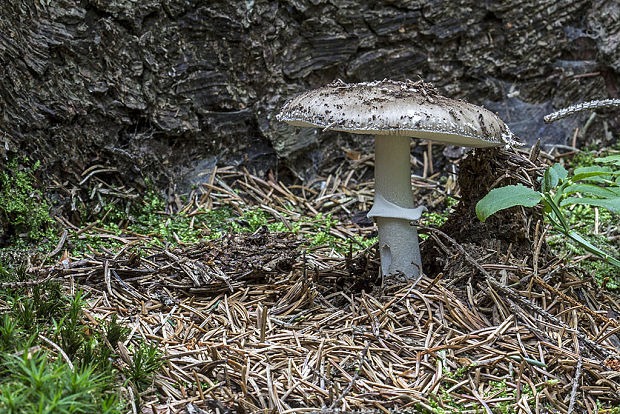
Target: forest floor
(265, 297)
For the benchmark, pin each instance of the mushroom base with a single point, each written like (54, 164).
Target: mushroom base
(399, 249)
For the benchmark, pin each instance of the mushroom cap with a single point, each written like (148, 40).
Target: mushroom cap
(386, 107)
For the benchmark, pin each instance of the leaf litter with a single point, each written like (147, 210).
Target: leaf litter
(263, 323)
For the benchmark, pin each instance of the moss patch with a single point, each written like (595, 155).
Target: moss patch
(24, 213)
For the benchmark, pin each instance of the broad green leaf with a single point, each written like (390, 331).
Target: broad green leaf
(594, 173)
(552, 177)
(592, 190)
(611, 204)
(506, 197)
(610, 159)
(560, 171)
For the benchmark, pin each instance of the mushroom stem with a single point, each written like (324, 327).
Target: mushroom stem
(398, 239)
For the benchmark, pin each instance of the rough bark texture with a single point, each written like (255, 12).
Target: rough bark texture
(173, 86)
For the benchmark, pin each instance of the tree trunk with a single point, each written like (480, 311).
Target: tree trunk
(165, 86)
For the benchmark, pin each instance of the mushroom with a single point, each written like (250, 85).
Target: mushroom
(394, 112)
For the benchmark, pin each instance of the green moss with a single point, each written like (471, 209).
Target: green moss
(439, 217)
(458, 374)
(432, 218)
(586, 157)
(32, 380)
(614, 410)
(149, 218)
(24, 213)
(444, 403)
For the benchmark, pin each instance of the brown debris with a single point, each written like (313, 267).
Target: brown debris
(261, 323)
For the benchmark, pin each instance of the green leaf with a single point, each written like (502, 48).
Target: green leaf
(592, 248)
(506, 197)
(560, 171)
(552, 177)
(592, 190)
(611, 204)
(610, 159)
(594, 173)
(555, 215)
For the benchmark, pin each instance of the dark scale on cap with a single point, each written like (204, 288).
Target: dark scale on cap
(388, 107)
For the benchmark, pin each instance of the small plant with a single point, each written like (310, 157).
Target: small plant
(95, 351)
(8, 332)
(115, 332)
(34, 377)
(146, 360)
(596, 186)
(69, 328)
(43, 305)
(32, 384)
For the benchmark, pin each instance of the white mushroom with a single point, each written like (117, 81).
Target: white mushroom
(394, 112)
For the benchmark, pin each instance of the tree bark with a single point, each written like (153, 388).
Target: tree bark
(163, 85)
